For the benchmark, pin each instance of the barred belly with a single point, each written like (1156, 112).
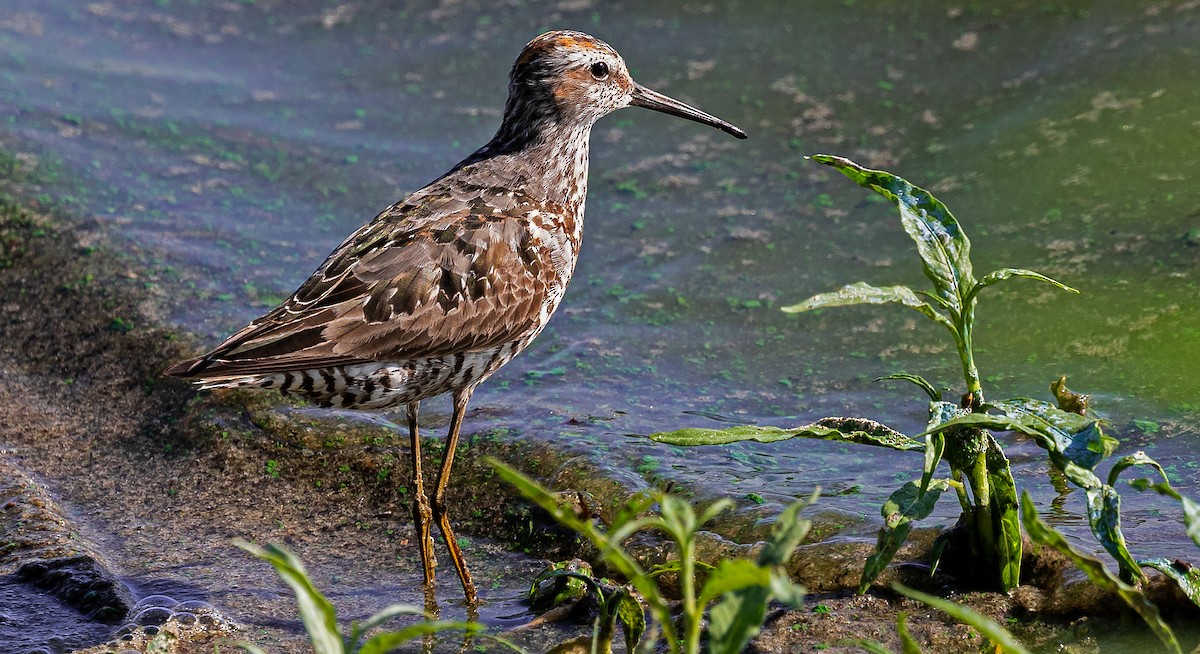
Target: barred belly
(381, 384)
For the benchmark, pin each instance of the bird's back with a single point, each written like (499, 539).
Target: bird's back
(438, 291)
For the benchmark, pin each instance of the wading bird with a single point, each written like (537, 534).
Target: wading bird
(450, 283)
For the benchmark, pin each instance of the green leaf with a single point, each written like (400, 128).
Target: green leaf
(1088, 445)
(382, 616)
(678, 518)
(863, 432)
(935, 446)
(908, 644)
(1006, 512)
(608, 543)
(637, 504)
(1007, 273)
(1041, 533)
(745, 588)
(317, 614)
(1185, 575)
(904, 506)
(1076, 437)
(390, 640)
(944, 248)
(941, 412)
(786, 591)
(533, 492)
(1076, 445)
(731, 575)
(562, 584)
(632, 618)
(713, 510)
(787, 534)
(864, 293)
(937, 550)
(934, 394)
(1138, 458)
(998, 635)
(1104, 515)
(1191, 510)
(736, 619)
(665, 567)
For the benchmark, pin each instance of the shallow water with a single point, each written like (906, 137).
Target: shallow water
(232, 145)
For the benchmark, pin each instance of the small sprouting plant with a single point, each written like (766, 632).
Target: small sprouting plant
(565, 584)
(320, 617)
(738, 590)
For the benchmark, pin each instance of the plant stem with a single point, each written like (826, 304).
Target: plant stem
(983, 507)
(966, 352)
(687, 582)
(960, 491)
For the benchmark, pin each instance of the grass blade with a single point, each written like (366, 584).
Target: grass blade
(318, 615)
(390, 640)
(990, 629)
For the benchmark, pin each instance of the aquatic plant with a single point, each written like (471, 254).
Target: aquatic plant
(959, 433)
(979, 471)
(739, 590)
(320, 617)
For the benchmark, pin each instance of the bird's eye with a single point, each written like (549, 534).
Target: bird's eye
(599, 70)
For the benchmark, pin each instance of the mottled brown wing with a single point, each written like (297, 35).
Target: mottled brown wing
(444, 271)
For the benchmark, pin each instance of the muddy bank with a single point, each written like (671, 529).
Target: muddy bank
(140, 483)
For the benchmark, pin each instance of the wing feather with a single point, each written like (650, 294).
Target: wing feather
(439, 273)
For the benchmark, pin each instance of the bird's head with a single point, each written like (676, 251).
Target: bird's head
(578, 78)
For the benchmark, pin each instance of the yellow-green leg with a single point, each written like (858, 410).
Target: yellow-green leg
(422, 512)
(461, 398)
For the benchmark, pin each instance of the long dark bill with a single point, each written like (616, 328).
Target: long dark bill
(644, 97)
